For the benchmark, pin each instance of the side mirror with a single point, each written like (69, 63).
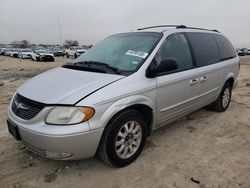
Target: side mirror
(166, 65)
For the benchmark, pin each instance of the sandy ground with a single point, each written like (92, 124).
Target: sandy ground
(205, 149)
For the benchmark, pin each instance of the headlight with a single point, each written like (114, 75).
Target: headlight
(68, 115)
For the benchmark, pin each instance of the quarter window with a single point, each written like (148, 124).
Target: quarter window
(205, 48)
(176, 47)
(226, 49)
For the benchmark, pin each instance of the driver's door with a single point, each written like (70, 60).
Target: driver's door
(176, 91)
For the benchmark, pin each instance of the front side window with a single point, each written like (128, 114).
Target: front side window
(125, 52)
(176, 47)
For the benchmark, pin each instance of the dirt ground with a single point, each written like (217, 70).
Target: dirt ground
(206, 149)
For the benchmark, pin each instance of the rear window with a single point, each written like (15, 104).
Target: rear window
(204, 48)
(226, 49)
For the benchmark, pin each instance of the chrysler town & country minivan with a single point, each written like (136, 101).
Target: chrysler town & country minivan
(113, 96)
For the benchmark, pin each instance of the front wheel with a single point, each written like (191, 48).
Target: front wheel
(223, 101)
(123, 139)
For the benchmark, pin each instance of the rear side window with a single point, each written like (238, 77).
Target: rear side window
(204, 48)
(176, 47)
(226, 49)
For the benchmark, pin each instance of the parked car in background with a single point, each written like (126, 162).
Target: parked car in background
(248, 51)
(8, 51)
(42, 55)
(110, 99)
(24, 53)
(2, 51)
(239, 52)
(14, 52)
(74, 51)
(57, 52)
(244, 51)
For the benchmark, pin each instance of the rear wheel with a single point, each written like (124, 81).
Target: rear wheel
(123, 139)
(223, 101)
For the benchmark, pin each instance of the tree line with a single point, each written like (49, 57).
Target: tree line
(28, 44)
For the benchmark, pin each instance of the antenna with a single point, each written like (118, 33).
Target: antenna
(59, 29)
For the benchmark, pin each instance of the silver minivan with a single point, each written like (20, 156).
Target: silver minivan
(113, 96)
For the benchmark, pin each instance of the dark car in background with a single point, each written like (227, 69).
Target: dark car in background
(42, 55)
(57, 52)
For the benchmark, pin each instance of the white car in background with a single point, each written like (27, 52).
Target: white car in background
(42, 55)
(7, 51)
(24, 53)
(75, 51)
(2, 51)
(14, 52)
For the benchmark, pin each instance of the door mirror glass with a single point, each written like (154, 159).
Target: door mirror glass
(167, 65)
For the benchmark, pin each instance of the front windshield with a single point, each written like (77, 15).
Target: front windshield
(123, 51)
(26, 50)
(41, 51)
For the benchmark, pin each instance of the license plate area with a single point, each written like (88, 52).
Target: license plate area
(13, 130)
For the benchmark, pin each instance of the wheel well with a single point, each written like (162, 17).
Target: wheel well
(231, 81)
(147, 113)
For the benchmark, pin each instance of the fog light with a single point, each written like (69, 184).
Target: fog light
(57, 155)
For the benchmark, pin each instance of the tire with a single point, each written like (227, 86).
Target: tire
(134, 139)
(67, 55)
(75, 56)
(223, 101)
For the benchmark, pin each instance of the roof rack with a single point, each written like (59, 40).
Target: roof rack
(177, 27)
(156, 26)
(202, 29)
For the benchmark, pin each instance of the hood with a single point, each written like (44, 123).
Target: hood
(44, 54)
(26, 53)
(80, 50)
(64, 86)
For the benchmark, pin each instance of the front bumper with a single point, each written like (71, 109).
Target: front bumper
(46, 141)
(26, 56)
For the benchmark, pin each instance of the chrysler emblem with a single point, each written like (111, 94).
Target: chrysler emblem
(20, 106)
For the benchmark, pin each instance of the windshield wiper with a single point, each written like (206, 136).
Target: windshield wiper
(84, 67)
(100, 64)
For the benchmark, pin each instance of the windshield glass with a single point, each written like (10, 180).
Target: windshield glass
(41, 51)
(123, 51)
(26, 50)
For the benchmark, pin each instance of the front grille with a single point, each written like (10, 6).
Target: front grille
(36, 150)
(26, 108)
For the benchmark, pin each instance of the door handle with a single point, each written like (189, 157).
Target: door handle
(203, 79)
(193, 82)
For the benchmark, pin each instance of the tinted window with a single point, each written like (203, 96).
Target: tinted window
(226, 49)
(176, 47)
(205, 48)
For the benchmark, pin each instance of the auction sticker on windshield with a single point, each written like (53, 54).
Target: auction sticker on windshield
(137, 53)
